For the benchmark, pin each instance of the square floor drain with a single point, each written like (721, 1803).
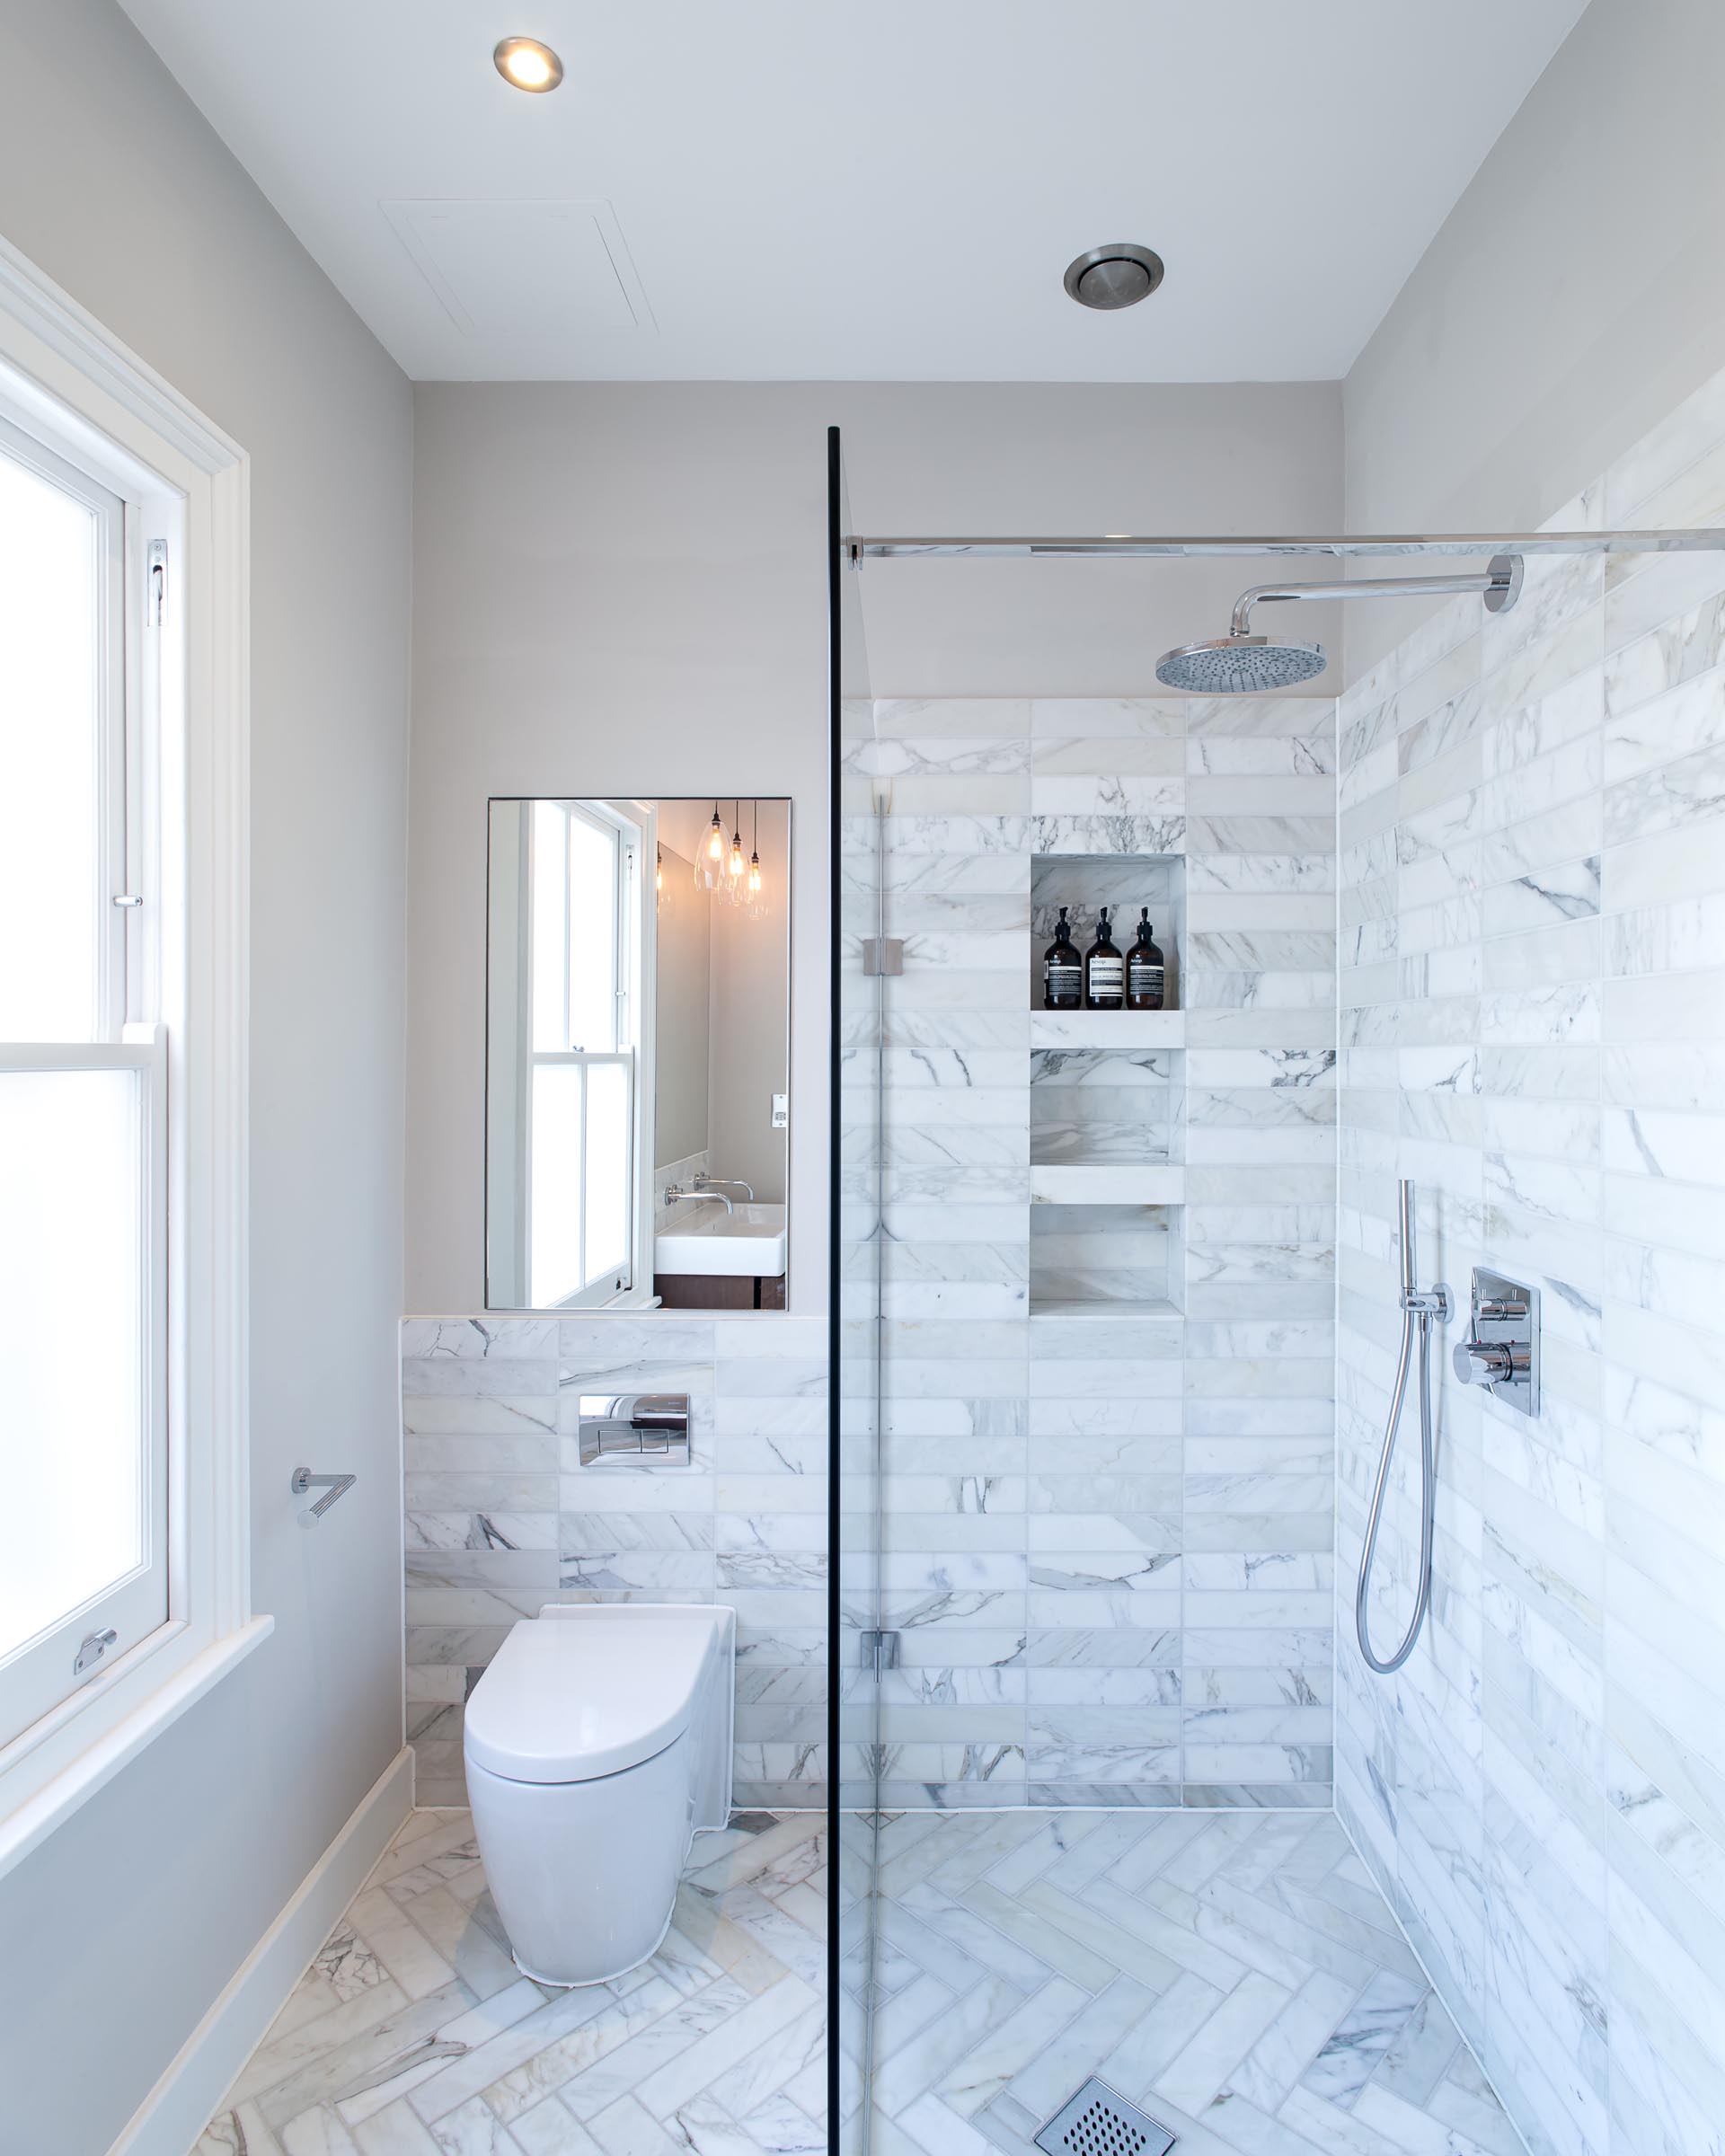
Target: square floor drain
(1097, 2122)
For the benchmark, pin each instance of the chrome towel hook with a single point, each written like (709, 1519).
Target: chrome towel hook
(333, 1487)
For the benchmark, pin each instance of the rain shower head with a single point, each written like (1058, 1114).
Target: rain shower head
(1240, 664)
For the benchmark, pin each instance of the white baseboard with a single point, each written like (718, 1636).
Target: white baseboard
(176, 2111)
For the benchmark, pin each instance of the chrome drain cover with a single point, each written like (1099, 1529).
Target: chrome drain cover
(1098, 2122)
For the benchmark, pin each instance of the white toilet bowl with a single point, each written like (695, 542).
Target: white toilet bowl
(596, 1744)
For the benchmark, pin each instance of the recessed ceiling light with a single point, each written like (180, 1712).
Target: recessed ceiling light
(1115, 276)
(528, 64)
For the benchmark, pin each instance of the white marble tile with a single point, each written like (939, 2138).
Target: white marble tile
(1603, 794)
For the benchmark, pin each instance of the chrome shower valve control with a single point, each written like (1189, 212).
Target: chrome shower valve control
(1476, 1363)
(1501, 1350)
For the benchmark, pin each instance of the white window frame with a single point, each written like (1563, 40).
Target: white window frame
(65, 382)
(624, 833)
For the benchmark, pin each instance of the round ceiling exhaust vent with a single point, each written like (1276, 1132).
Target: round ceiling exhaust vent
(1117, 276)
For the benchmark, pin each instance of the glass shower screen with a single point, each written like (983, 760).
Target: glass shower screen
(855, 1366)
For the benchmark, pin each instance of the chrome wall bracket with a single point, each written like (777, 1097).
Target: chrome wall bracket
(332, 1486)
(1501, 1351)
(880, 1651)
(882, 955)
(634, 1429)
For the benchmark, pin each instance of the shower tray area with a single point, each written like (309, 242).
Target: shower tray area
(1235, 1977)
(1089, 1695)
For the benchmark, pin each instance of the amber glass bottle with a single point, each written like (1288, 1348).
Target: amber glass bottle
(1147, 977)
(1104, 970)
(1063, 970)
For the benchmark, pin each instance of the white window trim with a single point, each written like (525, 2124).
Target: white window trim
(624, 833)
(58, 363)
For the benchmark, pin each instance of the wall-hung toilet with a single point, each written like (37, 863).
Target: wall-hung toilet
(596, 1744)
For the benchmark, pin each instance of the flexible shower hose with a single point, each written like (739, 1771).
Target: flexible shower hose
(1421, 1311)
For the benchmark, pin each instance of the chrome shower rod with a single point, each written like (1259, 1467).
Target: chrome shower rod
(1130, 546)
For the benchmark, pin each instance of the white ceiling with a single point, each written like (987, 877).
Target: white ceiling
(862, 189)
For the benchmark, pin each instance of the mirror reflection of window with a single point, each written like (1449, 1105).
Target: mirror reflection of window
(565, 890)
(637, 1055)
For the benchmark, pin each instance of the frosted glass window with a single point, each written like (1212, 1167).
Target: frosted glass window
(554, 1183)
(82, 1115)
(53, 909)
(550, 928)
(579, 1174)
(609, 1168)
(592, 936)
(560, 1068)
(73, 1442)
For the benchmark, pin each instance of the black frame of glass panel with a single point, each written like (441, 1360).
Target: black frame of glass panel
(834, 817)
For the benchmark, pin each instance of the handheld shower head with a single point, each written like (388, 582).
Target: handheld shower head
(1238, 666)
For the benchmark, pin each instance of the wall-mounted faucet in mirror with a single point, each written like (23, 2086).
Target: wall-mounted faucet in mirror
(637, 1081)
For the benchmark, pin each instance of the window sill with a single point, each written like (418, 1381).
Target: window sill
(51, 1792)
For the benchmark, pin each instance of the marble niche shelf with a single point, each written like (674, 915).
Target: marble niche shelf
(1117, 1260)
(1108, 1028)
(1108, 1183)
(1112, 1309)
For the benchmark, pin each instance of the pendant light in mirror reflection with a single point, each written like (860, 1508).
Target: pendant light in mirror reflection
(707, 863)
(757, 886)
(721, 867)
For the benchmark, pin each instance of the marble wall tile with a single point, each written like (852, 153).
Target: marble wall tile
(1539, 1789)
(501, 1517)
(1049, 1481)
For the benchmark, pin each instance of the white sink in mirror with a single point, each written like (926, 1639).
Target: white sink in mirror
(704, 1237)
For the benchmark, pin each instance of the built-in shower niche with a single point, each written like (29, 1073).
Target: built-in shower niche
(1116, 1261)
(1107, 1104)
(1124, 883)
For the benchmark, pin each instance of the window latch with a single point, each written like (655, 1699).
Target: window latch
(95, 1646)
(156, 585)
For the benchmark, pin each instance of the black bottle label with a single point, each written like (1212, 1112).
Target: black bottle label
(1147, 977)
(1063, 977)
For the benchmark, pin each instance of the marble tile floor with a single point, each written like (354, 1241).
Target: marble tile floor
(1238, 1974)
(413, 2034)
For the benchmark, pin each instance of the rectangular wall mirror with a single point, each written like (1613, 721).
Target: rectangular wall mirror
(637, 1081)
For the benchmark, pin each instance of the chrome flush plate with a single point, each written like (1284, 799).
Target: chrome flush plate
(633, 1430)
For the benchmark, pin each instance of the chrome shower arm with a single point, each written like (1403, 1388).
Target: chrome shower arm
(1501, 583)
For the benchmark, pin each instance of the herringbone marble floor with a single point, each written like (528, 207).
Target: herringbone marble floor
(413, 2034)
(1236, 1973)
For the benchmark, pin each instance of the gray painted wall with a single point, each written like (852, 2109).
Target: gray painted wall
(621, 588)
(681, 989)
(150, 1898)
(750, 973)
(1569, 302)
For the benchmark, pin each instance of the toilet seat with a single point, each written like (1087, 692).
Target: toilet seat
(573, 1702)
